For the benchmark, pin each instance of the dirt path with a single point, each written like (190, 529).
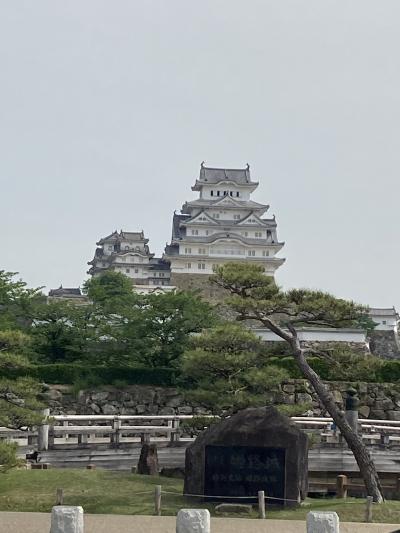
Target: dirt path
(40, 523)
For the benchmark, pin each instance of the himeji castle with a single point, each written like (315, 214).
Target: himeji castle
(128, 252)
(223, 224)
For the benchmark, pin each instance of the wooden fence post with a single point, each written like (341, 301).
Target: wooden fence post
(157, 500)
(398, 488)
(261, 504)
(368, 509)
(341, 486)
(59, 497)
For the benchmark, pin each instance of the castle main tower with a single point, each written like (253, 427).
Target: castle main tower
(223, 224)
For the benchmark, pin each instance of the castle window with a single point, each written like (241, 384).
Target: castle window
(212, 193)
(189, 265)
(207, 232)
(236, 217)
(195, 231)
(231, 193)
(217, 193)
(201, 266)
(202, 251)
(127, 270)
(265, 253)
(251, 253)
(225, 193)
(126, 247)
(188, 250)
(136, 270)
(237, 194)
(258, 234)
(246, 234)
(104, 264)
(110, 247)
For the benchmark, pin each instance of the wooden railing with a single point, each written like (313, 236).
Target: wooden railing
(116, 429)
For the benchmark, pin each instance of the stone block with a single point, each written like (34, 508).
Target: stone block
(95, 408)
(337, 396)
(289, 399)
(363, 388)
(140, 409)
(322, 522)
(233, 508)
(109, 409)
(66, 519)
(304, 397)
(193, 521)
(148, 460)
(185, 410)
(100, 396)
(364, 411)
(288, 387)
(393, 415)
(167, 411)
(377, 414)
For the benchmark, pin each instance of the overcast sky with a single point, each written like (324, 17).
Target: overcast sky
(108, 108)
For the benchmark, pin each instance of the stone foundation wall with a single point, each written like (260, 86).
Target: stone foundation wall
(377, 400)
(385, 344)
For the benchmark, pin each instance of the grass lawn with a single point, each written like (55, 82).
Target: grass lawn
(102, 491)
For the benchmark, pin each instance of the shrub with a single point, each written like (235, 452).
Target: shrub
(8, 456)
(69, 373)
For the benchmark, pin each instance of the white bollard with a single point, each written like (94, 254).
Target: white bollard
(322, 522)
(193, 521)
(66, 519)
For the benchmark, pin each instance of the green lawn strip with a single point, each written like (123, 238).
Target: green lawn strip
(102, 491)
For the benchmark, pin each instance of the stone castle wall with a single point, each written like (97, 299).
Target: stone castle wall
(385, 344)
(377, 400)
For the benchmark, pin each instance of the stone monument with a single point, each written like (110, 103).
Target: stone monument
(253, 450)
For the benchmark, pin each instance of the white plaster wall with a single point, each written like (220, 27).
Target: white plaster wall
(319, 335)
(385, 323)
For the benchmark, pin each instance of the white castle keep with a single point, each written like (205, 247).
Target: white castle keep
(223, 224)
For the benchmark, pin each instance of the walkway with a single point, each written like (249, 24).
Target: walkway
(40, 523)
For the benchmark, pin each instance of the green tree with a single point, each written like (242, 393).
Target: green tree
(225, 365)
(151, 329)
(19, 402)
(255, 296)
(112, 291)
(17, 301)
(64, 331)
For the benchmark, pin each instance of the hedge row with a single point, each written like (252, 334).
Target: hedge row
(388, 371)
(68, 373)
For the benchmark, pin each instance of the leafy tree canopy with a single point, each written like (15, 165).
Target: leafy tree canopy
(225, 366)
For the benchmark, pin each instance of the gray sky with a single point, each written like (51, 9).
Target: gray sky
(108, 108)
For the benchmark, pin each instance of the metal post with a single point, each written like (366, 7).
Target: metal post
(157, 500)
(43, 432)
(261, 504)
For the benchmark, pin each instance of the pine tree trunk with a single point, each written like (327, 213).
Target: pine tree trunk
(355, 443)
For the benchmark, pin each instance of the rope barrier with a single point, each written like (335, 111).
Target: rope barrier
(227, 497)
